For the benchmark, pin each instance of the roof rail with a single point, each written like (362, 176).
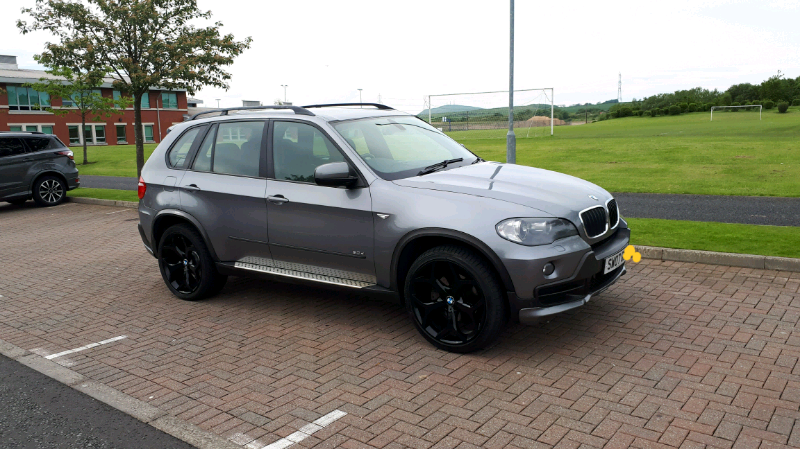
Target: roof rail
(297, 110)
(22, 132)
(333, 105)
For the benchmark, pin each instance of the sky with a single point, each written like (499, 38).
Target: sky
(401, 52)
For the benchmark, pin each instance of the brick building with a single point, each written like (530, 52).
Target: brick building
(21, 110)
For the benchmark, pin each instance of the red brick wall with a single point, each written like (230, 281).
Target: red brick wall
(167, 118)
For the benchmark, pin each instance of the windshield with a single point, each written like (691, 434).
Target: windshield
(400, 147)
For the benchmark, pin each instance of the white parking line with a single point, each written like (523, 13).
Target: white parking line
(306, 431)
(83, 348)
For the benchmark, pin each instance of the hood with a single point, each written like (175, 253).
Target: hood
(553, 193)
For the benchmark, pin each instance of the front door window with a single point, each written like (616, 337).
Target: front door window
(298, 149)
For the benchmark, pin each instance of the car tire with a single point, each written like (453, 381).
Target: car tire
(17, 202)
(49, 191)
(186, 264)
(455, 299)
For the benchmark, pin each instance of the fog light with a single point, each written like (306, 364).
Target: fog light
(548, 269)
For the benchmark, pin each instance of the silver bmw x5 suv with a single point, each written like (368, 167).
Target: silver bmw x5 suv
(370, 198)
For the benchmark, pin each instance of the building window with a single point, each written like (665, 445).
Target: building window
(99, 134)
(47, 129)
(148, 133)
(116, 94)
(26, 99)
(74, 135)
(92, 134)
(146, 101)
(169, 100)
(121, 138)
(87, 133)
(75, 99)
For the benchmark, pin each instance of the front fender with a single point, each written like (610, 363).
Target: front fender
(462, 237)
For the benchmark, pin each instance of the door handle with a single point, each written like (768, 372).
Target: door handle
(277, 199)
(191, 187)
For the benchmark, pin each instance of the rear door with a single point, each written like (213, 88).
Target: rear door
(14, 164)
(320, 231)
(225, 188)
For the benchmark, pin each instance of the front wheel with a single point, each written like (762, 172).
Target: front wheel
(49, 191)
(186, 264)
(455, 299)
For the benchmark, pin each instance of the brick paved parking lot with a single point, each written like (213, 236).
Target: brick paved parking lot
(675, 355)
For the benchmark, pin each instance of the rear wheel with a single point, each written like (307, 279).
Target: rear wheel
(186, 264)
(49, 191)
(454, 299)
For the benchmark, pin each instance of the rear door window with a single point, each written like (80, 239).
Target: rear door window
(233, 148)
(237, 148)
(11, 146)
(38, 143)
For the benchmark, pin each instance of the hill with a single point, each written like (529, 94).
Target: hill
(449, 109)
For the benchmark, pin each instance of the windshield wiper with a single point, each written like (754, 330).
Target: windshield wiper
(438, 166)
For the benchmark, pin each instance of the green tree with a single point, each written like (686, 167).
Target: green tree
(774, 88)
(145, 43)
(79, 86)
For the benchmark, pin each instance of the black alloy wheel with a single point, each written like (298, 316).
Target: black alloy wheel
(181, 263)
(455, 299)
(447, 302)
(186, 264)
(49, 191)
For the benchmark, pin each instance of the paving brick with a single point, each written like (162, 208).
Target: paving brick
(673, 355)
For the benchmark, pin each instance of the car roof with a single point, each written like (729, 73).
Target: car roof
(326, 113)
(23, 134)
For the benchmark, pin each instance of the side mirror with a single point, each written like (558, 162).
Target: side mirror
(335, 174)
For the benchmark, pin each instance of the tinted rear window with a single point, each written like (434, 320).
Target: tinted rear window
(11, 146)
(39, 143)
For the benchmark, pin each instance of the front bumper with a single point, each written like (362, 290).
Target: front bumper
(574, 298)
(575, 290)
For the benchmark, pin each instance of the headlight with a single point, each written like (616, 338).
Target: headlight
(535, 231)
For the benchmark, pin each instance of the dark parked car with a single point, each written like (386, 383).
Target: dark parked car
(378, 200)
(35, 165)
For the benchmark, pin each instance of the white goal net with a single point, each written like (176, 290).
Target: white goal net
(485, 114)
(747, 107)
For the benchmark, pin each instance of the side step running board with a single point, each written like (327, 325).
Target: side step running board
(302, 275)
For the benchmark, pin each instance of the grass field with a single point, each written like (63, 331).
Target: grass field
(736, 154)
(111, 160)
(105, 194)
(778, 241)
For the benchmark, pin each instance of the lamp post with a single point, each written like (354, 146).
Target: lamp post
(359, 97)
(511, 139)
(217, 102)
(284, 92)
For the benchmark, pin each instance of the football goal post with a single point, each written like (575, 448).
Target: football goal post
(734, 107)
(488, 111)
